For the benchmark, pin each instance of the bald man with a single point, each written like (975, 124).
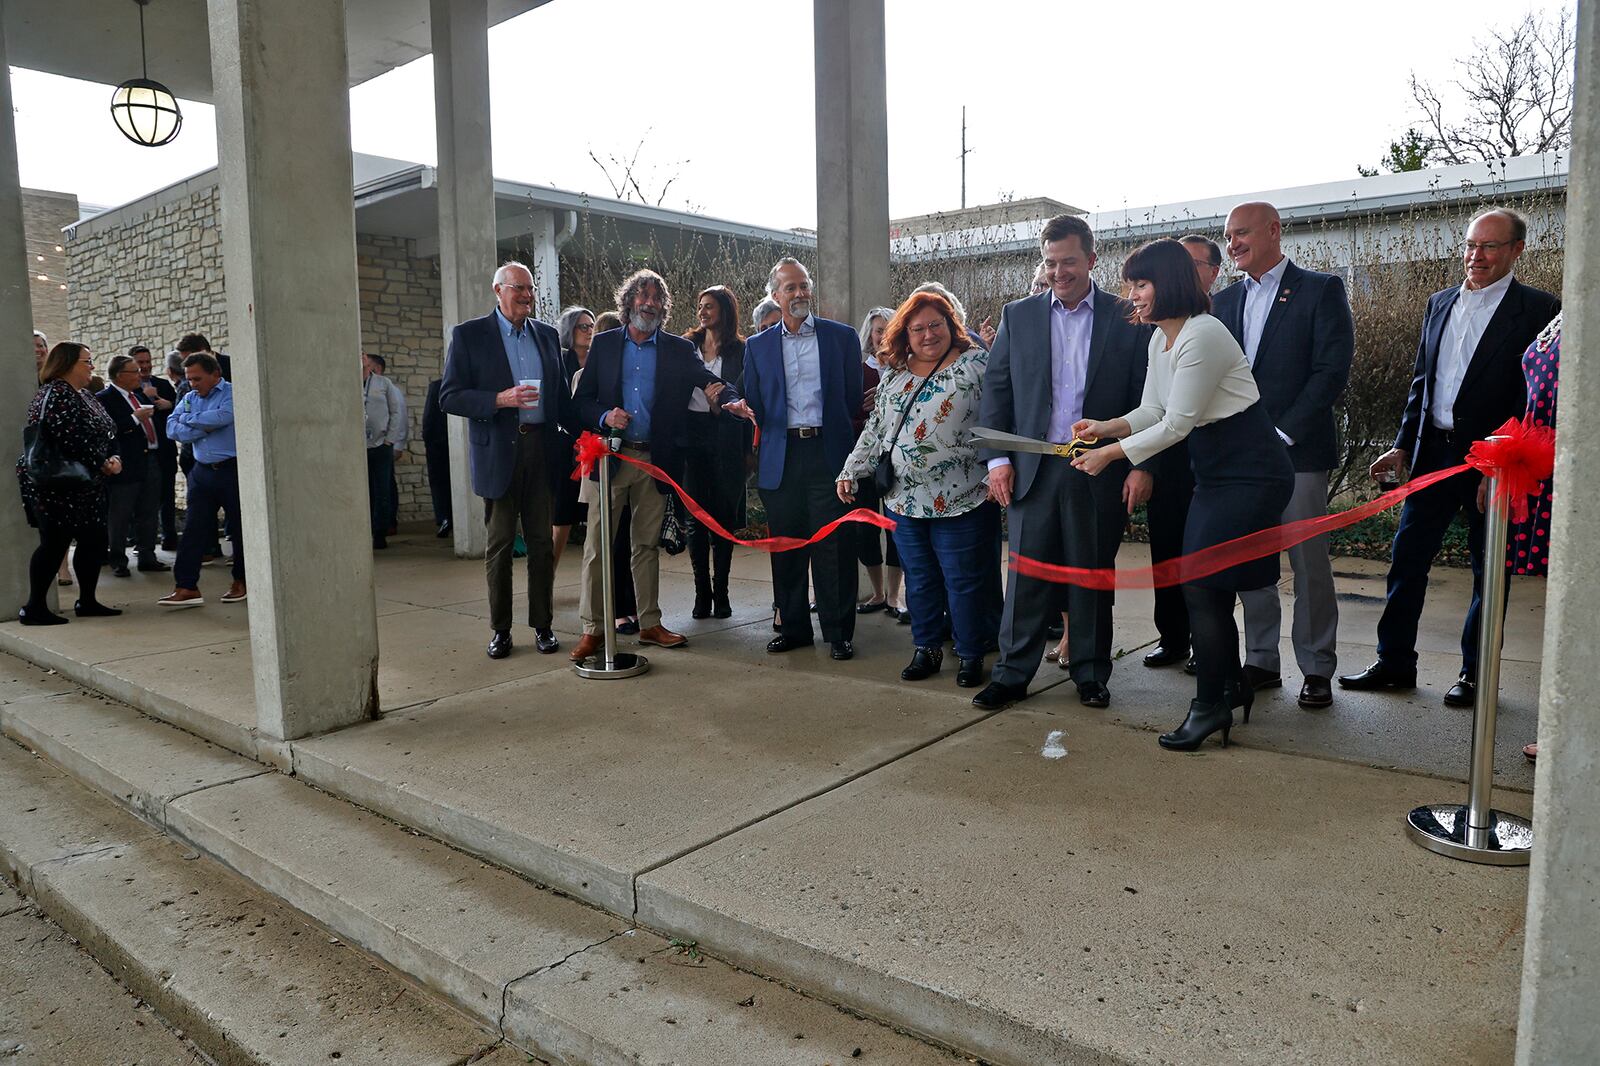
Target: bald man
(1298, 334)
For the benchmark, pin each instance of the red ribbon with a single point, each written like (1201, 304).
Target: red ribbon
(1524, 456)
(591, 448)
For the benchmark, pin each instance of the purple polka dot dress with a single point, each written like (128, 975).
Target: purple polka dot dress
(1528, 549)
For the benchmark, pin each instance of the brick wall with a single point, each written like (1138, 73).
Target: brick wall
(43, 216)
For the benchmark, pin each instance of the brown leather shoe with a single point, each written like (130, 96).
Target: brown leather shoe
(588, 644)
(662, 637)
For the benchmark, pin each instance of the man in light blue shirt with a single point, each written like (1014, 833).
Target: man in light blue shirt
(203, 419)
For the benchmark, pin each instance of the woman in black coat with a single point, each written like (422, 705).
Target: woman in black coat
(73, 421)
(716, 450)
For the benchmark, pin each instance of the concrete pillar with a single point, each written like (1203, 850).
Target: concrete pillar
(289, 251)
(1561, 963)
(852, 159)
(17, 379)
(467, 254)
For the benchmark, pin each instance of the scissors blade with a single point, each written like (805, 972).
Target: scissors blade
(1011, 442)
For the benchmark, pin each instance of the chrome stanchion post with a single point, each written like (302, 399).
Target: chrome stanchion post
(611, 663)
(1477, 832)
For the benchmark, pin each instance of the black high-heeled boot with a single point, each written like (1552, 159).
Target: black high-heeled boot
(1240, 694)
(699, 558)
(1203, 720)
(721, 563)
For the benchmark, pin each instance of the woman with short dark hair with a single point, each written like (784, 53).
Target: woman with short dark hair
(1199, 388)
(80, 431)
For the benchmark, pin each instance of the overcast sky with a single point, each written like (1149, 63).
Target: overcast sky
(1101, 105)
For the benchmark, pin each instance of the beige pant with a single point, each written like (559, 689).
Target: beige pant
(632, 488)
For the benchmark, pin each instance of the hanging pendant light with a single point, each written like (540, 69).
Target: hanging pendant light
(145, 111)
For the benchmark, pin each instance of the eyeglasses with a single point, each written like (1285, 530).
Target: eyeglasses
(516, 288)
(1487, 246)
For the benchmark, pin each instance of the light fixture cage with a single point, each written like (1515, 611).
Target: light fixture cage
(144, 110)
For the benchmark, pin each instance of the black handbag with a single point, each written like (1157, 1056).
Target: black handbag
(47, 468)
(883, 472)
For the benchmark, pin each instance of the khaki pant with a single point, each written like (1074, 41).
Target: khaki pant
(632, 488)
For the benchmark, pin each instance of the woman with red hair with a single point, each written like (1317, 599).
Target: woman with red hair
(922, 421)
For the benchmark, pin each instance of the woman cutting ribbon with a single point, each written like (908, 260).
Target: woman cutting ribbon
(1199, 387)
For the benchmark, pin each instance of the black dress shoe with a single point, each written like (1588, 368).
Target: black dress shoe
(169, 544)
(93, 609)
(380, 542)
(120, 571)
(720, 607)
(1258, 679)
(998, 694)
(869, 606)
(443, 530)
(779, 645)
(500, 644)
(842, 650)
(39, 616)
(1054, 630)
(1203, 720)
(628, 628)
(925, 662)
(1094, 694)
(969, 674)
(1316, 693)
(1464, 693)
(153, 566)
(544, 640)
(1189, 667)
(905, 617)
(813, 606)
(1161, 655)
(1380, 675)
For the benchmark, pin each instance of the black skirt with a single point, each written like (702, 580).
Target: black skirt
(1242, 482)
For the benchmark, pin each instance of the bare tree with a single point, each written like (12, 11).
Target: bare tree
(1518, 94)
(624, 175)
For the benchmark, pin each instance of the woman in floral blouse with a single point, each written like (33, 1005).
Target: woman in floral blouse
(923, 419)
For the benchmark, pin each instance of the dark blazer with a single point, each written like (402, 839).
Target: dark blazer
(475, 371)
(167, 449)
(1303, 360)
(131, 442)
(1493, 389)
(839, 350)
(678, 373)
(1017, 387)
(435, 424)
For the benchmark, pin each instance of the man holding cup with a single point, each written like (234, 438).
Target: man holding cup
(503, 374)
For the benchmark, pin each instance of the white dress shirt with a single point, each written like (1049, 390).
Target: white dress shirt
(1258, 297)
(1203, 378)
(148, 427)
(697, 398)
(1462, 331)
(802, 374)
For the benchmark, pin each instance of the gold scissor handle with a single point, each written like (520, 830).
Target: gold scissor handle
(1077, 447)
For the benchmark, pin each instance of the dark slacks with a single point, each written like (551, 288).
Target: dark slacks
(168, 481)
(380, 472)
(526, 502)
(1166, 514)
(1424, 519)
(805, 501)
(211, 486)
(122, 499)
(1077, 520)
(439, 482)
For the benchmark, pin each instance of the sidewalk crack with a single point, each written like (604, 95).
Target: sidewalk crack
(505, 992)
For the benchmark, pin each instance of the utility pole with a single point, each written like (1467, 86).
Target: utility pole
(964, 151)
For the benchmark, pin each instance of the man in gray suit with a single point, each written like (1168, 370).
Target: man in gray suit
(1064, 354)
(1297, 332)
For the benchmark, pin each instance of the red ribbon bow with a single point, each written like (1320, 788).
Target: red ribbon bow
(1522, 456)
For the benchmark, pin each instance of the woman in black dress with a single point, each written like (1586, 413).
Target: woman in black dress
(73, 420)
(576, 327)
(1199, 387)
(717, 445)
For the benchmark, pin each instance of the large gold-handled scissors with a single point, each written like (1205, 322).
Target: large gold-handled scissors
(1011, 442)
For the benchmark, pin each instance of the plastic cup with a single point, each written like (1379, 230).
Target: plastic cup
(530, 383)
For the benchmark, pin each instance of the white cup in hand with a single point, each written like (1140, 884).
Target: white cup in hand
(530, 383)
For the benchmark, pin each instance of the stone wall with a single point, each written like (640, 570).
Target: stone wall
(43, 216)
(152, 272)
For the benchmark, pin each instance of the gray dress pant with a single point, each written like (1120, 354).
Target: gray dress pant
(1315, 629)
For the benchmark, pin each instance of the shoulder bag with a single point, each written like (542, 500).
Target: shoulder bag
(47, 468)
(883, 472)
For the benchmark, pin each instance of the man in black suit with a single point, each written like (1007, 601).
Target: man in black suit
(1063, 355)
(134, 496)
(1298, 334)
(503, 374)
(636, 385)
(436, 445)
(1468, 381)
(158, 392)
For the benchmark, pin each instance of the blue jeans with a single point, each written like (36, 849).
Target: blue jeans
(944, 560)
(210, 487)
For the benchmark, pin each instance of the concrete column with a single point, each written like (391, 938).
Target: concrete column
(17, 379)
(1561, 963)
(294, 331)
(852, 159)
(467, 254)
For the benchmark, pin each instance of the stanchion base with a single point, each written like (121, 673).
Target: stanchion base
(623, 664)
(1442, 827)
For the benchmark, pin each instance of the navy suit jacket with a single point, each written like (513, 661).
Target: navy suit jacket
(1303, 360)
(130, 441)
(475, 370)
(1017, 387)
(679, 371)
(839, 352)
(1494, 388)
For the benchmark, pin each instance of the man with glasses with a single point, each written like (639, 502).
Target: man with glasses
(159, 394)
(1468, 381)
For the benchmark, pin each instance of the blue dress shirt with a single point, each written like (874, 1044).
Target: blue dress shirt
(638, 386)
(802, 374)
(522, 352)
(205, 422)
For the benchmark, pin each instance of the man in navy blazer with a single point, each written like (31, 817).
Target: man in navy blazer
(1468, 381)
(1062, 355)
(1298, 334)
(517, 460)
(803, 380)
(636, 385)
